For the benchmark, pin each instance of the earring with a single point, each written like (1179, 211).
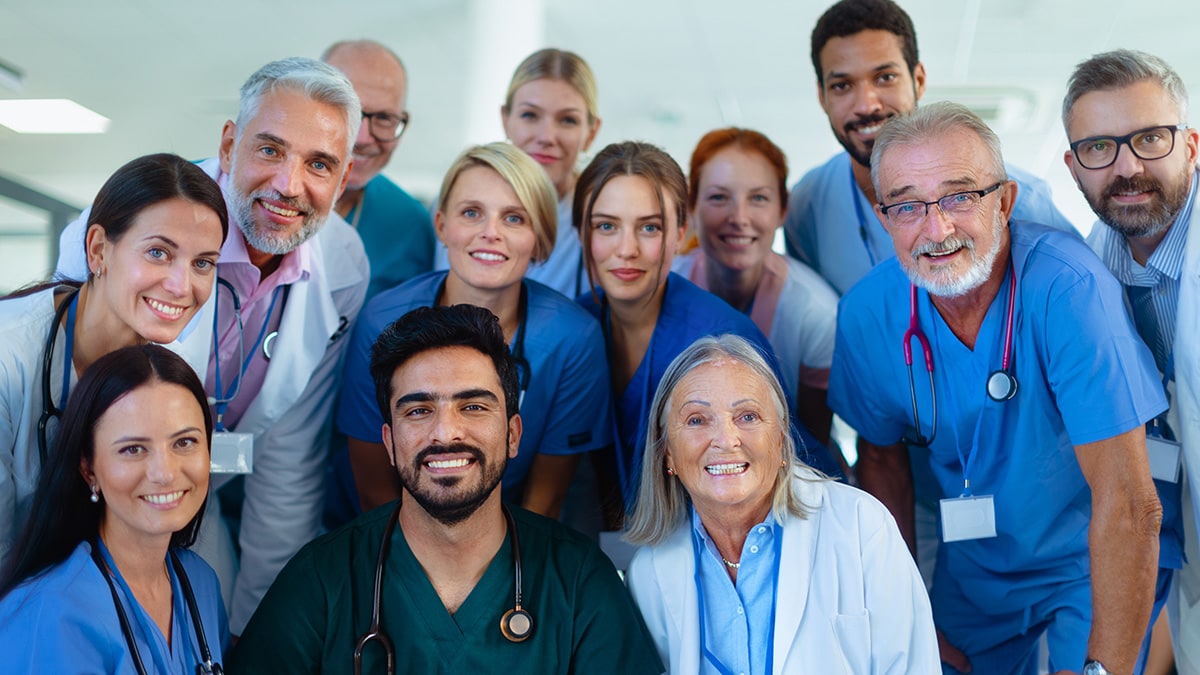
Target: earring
(95, 495)
(670, 471)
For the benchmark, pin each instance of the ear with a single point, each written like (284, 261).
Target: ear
(592, 134)
(918, 76)
(439, 225)
(882, 218)
(345, 177)
(1069, 160)
(1191, 138)
(85, 470)
(94, 247)
(228, 143)
(504, 122)
(388, 443)
(1008, 199)
(514, 435)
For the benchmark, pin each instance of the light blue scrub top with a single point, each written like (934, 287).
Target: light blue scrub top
(64, 621)
(1084, 375)
(828, 215)
(396, 231)
(567, 407)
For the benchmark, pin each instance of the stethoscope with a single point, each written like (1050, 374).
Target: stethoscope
(49, 410)
(226, 396)
(1001, 384)
(206, 666)
(516, 624)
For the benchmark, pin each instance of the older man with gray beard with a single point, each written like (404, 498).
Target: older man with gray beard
(1030, 387)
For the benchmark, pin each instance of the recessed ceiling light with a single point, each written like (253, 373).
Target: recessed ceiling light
(50, 116)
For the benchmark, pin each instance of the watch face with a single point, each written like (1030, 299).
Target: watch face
(1094, 668)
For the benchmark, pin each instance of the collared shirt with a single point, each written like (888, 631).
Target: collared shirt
(254, 295)
(737, 619)
(1153, 290)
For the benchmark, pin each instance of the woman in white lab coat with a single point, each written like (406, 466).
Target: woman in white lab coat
(152, 242)
(754, 563)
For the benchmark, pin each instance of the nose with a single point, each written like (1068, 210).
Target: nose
(448, 427)
(178, 281)
(1126, 163)
(491, 228)
(364, 134)
(161, 467)
(725, 434)
(544, 130)
(741, 212)
(866, 100)
(938, 225)
(627, 243)
(289, 176)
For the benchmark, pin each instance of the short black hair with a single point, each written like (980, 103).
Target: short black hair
(427, 328)
(850, 17)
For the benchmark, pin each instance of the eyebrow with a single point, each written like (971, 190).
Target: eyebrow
(962, 183)
(464, 395)
(833, 74)
(330, 159)
(605, 216)
(143, 439)
(570, 109)
(171, 242)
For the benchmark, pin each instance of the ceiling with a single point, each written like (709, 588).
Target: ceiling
(167, 74)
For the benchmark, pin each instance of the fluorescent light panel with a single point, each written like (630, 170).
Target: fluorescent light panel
(50, 116)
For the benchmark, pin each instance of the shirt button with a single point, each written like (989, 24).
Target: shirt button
(761, 529)
(741, 611)
(754, 549)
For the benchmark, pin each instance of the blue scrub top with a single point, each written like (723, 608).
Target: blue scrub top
(64, 621)
(568, 405)
(688, 313)
(1084, 375)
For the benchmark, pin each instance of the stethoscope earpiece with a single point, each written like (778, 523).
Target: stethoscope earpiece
(516, 624)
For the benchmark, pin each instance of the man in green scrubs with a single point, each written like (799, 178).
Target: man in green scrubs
(447, 383)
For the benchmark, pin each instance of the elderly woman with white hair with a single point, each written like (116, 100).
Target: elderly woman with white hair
(754, 562)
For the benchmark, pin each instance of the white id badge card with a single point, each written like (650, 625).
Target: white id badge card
(232, 452)
(968, 518)
(1164, 459)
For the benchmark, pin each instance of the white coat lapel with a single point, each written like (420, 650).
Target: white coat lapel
(1187, 354)
(675, 560)
(796, 571)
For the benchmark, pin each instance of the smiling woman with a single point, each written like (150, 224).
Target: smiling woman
(115, 513)
(156, 229)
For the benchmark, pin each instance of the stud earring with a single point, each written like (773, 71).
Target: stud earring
(95, 495)
(670, 471)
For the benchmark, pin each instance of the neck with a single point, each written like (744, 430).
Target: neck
(728, 526)
(98, 331)
(505, 302)
(964, 314)
(737, 287)
(454, 557)
(350, 198)
(637, 316)
(567, 187)
(266, 263)
(1143, 247)
(862, 177)
(140, 560)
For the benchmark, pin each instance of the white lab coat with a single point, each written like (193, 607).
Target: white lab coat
(290, 417)
(850, 599)
(1186, 408)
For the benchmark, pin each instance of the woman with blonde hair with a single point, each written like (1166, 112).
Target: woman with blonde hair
(496, 215)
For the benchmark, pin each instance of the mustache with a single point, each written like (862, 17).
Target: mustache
(867, 121)
(452, 448)
(293, 203)
(951, 243)
(1132, 184)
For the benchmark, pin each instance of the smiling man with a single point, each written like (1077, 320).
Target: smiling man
(459, 583)
(1029, 386)
(865, 56)
(1134, 158)
(292, 278)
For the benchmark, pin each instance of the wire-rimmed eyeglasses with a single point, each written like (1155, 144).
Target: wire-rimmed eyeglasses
(913, 212)
(385, 126)
(1099, 152)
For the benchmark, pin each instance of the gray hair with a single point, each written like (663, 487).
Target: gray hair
(1121, 68)
(662, 502)
(361, 44)
(318, 81)
(927, 124)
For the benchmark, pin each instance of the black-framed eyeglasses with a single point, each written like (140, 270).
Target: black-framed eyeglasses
(913, 212)
(1099, 152)
(385, 126)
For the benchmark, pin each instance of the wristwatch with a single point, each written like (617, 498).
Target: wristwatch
(1094, 667)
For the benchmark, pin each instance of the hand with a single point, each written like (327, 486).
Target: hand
(952, 655)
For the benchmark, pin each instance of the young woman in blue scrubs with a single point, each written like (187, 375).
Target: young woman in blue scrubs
(157, 226)
(496, 214)
(630, 208)
(100, 579)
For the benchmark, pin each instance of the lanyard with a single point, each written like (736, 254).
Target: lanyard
(712, 658)
(226, 396)
(629, 461)
(1155, 426)
(856, 197)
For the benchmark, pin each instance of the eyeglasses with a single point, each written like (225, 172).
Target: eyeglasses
(910, 213)
(386, 127)
(1099, 152)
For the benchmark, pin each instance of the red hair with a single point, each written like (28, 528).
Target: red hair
(744, 139)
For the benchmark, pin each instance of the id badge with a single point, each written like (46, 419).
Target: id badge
(968, 518)
(232, 452)
(1164, 459)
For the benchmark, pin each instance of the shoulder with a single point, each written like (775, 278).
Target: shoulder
(25, 322)
(839, 507)
(70, 588)
(819, 177)
(389, 305)
(566, 554)
(570, 320)
(341, 251)
(802, 279)
(1047, 252)
(384, 189)
(885, 280)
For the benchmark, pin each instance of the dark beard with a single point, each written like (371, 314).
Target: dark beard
(1143, 220)
(860, 155)
(456, 507)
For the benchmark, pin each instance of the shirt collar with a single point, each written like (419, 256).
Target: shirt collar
(235, 257)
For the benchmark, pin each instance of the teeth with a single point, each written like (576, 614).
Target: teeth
(725, 469)
(448, 463)
(870, 130)
(164, 498)
(283, 212)
(740, 241)
(165, 309)
(489, 257)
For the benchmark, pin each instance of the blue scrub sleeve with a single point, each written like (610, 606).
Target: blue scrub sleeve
(357, 410)
(580, 416)
(858, 373)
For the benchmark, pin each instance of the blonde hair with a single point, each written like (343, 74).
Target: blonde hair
(556, 64)
(662, 501)
(526, 178)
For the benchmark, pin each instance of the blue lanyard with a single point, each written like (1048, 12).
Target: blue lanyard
(628, 460)
(712, 658)
(856, 197)
(1155, 426)
(68, 351)
(222, 403)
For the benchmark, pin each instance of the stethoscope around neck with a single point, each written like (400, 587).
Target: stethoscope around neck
(1001, 384)
(516, 624)
(49, 410)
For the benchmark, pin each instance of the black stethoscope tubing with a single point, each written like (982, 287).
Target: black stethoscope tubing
(49, 410)
(376, 632)
(206, 666)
